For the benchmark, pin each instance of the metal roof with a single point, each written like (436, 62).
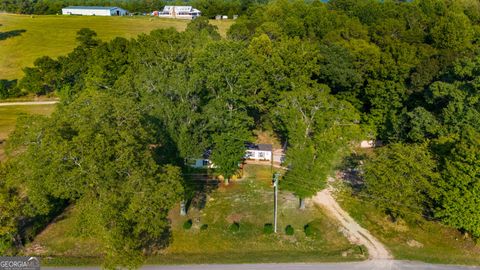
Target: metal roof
(178, 8)
(259, 147)
(265, 147)
(91, 7)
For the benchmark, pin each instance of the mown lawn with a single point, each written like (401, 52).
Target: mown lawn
(248, 202)
(35, 36)
(426, 241)
(9, 115)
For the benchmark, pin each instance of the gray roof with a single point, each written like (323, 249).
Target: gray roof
(265, 147)
(260, 147)
(90, 7)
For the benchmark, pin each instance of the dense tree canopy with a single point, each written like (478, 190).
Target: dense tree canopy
(318, 128)
(400, 178)
(97, 152)
(321, 75)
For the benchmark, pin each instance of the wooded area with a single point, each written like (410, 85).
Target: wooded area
(321, 75)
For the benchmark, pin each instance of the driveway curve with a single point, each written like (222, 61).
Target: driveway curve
(352, 230)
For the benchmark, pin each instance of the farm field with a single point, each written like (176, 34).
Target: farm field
(209, 239)
(9, 115)
(25, 38)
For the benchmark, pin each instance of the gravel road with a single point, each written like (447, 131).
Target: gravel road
(28, 103)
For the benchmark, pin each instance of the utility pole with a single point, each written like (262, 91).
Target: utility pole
(275, 199)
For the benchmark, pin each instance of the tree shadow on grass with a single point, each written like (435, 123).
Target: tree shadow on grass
(200, 196)
(350, 171)
(198, 184)
(11, 34)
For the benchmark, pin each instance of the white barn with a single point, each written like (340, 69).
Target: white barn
(259, 152)
(179, 12)
(94, 11)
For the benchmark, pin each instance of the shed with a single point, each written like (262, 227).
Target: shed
(202, 162)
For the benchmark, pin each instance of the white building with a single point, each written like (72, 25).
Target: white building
(200, 163)
(94, 11)
(259, 152)
(203, 162)
(179, 12)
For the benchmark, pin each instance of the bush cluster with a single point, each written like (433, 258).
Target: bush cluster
(308, 230)
(289, 230)
(188, 224)
(234, 227)
(268, 228)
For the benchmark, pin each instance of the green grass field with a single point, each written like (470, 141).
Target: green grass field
(248, 202)
(9, 115)
(35, 36)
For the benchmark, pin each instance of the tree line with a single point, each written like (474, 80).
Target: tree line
(321, 75)
(209, 8)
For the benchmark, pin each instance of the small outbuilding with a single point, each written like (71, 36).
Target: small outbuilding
(94, 11)
(202, 162)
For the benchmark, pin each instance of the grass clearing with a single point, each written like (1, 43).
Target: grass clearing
(248, 202)
(427, 241)
(62, 240)
(9, 115)
(54, 35)
(268, 137)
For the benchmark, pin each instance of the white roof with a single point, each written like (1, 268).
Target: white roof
(180, 9)
(91, 7)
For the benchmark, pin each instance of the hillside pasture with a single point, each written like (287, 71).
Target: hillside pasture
(24, 38)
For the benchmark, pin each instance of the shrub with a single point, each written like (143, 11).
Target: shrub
(204, 227)
(268, 228)
(234, 227)
(188, 224)
(9, 89)
(6, 245)
(308, 230)
(312, 228)
(289, 230)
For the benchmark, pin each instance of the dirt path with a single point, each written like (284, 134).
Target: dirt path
(29, 103)
(352, 230)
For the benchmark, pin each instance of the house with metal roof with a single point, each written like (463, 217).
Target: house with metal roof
(259, 152)
(180, 12)
(256, 152)
(94, 11)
